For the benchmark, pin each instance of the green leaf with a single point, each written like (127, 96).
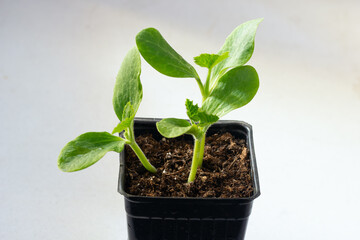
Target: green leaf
(192, 110)
(161, 56)
(233, 90)
(240, 45)
(122, 126)
(128, 87)
(128, 112)
(210, 60)
(207, 119)
(173, 127)
(196, 115)
(127, 116)
(87, 149)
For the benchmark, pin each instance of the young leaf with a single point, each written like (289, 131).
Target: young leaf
(196, 115)
(122, 126)
(240, 45)
(207, 119)
(210, 60)
(128, 112)
(128, 87)
(192, 110)
(173, 127)
(161, 56)
(127, 116)
(87, 149)
(233, 90)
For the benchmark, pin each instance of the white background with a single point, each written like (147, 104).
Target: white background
(58, 62)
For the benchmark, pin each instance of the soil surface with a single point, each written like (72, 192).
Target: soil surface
(225, 172)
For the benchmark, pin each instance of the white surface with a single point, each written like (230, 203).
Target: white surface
(58, 61)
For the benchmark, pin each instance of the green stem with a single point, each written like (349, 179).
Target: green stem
(202, 148)
(129, 134)
(139, 153)
(198, 155)
(201, 86)
(207, 85)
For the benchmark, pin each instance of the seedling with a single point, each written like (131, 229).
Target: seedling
(90, 147)
(229, 84)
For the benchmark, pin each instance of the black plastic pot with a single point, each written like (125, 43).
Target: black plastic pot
(160, 218)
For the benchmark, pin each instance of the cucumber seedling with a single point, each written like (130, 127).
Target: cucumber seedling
(90, 147)
(229, 83)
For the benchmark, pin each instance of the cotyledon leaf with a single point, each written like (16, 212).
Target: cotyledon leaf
(240, 45)
(87, 149)
(173, 127)
(128, 87)
(234, 89)
(161, 56)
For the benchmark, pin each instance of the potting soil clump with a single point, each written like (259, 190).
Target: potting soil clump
(225, 172)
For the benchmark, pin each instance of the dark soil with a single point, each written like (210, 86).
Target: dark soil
(225, 172)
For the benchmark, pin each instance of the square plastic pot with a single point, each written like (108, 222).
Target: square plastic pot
(173, 218)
